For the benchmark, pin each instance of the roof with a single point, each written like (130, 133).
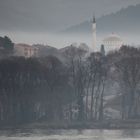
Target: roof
(25, 46)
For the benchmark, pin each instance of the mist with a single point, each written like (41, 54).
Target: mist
(69, 69)
(62, 40)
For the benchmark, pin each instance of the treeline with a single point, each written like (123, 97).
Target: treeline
(73, 90)
(31, 89)
(126, 73)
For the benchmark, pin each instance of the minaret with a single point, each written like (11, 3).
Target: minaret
(94, 33)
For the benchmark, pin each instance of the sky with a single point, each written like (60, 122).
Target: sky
(30, 20)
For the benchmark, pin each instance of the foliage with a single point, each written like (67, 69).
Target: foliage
(48, 89)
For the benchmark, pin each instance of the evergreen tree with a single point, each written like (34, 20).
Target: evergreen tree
(7, 43)
(102, 50)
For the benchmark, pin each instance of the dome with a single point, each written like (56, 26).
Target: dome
(112, 37)
(113, 41)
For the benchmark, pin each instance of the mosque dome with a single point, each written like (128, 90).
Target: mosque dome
(113, 41)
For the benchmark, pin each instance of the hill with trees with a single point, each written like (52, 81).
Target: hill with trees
(124, 21)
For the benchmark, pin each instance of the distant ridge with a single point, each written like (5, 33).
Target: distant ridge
(127, 20)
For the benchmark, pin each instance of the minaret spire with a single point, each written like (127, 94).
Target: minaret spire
(94, 19)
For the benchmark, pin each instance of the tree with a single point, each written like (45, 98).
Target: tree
(75, 61)
(128, 70)
(95, 85)
(8, 44)
(102, 50)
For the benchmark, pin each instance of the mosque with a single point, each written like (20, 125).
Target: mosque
(111, 42)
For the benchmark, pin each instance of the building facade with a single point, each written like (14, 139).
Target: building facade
(25, 50)
(112, 42)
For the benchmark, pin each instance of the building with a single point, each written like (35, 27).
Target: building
(112, 42)
(25, 50)
(94, 33)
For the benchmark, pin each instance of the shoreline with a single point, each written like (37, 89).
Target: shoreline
(116, 125)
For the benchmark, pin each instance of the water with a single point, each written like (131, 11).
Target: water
(43, 134)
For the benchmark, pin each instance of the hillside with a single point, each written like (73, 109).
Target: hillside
(124, 21)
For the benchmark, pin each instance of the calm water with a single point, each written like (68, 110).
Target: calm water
(42, 134)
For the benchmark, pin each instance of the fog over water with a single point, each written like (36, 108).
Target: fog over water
(42, 134)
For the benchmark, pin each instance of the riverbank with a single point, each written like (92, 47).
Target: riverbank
(129, 124)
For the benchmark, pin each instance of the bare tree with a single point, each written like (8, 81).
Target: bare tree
(128, 68)
(96, 85)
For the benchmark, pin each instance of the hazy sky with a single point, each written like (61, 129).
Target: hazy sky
(48, 15)
(32, 21)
